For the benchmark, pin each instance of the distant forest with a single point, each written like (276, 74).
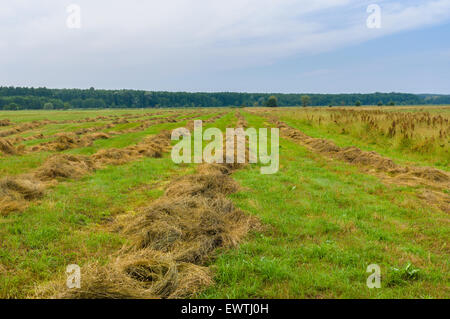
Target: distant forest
(17, 98)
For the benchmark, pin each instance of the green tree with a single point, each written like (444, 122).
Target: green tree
(48, 106)
(380, 103)
(358, 103)
(306, 100)
(272, 101)
(11, 107)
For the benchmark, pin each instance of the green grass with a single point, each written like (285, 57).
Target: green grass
(62, 229)
(79, 114)
(69, 225)
(369, 141)
(324, 224)
(17, 164)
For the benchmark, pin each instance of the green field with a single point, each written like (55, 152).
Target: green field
(321, 220)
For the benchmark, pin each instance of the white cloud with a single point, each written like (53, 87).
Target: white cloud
(182, 35)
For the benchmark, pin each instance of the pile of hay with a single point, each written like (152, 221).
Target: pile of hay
(145, 274)
(16, 191)
(65, 166)
(153, 146)
(356, 156)
(7, 148)
(112, 156)
(403, 174)
(170, 241)
(66, 141)
(5, 122)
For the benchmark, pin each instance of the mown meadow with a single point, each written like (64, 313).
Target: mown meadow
(313, 227)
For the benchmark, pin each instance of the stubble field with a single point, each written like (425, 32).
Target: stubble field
(356, 187)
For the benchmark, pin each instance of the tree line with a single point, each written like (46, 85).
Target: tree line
(16, 98)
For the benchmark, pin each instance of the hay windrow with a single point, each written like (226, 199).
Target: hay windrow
(66, 166)
(5, 122)
(425, 175)
(66, 141)
(63, 166)
(3, 270)
(16, 191)
(381, 166)
(171, 240)
(7, 147)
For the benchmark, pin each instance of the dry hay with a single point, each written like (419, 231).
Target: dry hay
(405, 174)
(16, 191)
(189, 228)
(145, 274)
(7, 148)
(207, 185)
(171, 240)
(23, 127)
(112, 156)
(65, 166)
(99, 136)
(5, 122)
(153, 146)
(356, 156)
(3, 270)
(429, 173)
(66, 141)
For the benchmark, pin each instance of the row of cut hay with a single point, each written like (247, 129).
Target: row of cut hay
(66, 141)
(24, 127)
(373, 162)
(170, 242)
(5, 122)
(66, 166)
(38, 124)
(75, 139)
(8, 148)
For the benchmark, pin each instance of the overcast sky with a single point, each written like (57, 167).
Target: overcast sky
(321, 46)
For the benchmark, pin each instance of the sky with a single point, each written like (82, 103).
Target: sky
(284, 46)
